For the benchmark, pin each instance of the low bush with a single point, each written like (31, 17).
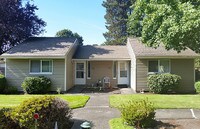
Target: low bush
(36, 85)
(197, 86)
(2, 83)
(163, 83)
(11, 90)
(140, 113)
(50, 110)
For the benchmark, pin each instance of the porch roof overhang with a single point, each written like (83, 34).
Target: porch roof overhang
(103, 59)
(101, 53)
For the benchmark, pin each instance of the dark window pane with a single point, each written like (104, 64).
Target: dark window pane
(89, 70)
(153, 66)
(79, 74)
(123, 73)
(46, 66)
(35, 66)
(114, 69)
(80, 66)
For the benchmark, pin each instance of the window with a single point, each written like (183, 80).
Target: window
(79, 70)
(35, 66)
(114, 69)
(159, 66)
(153, 66)
(41, 66)
(88, 70)
(46, 66)
(123, 69)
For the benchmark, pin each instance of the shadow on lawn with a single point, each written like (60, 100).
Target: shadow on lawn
(165, 125)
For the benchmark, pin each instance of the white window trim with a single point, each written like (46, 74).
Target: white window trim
(159, 65)
(115, 70)
(88, 69)
(40, 68)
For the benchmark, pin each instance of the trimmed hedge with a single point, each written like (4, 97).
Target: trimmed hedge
(11, 90)
(5, 121)
(50, 109)
(2, 83)
(36, 85)
(197, 86)
(140, 113)
(163, 83)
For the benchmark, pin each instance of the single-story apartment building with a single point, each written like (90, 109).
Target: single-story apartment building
(68, 64)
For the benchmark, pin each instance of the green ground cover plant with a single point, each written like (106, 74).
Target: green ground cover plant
(160, 101)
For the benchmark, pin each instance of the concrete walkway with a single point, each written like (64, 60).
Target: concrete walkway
(97, 111)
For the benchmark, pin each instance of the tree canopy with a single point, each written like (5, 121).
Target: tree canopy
(69, 34)
(175, 23)
(18, 22)
(116, 19)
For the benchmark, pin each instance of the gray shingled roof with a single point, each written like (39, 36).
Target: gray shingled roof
(41, 47)
(102, 52)
(143, 51)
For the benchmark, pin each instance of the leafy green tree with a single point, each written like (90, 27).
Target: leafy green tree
(117, 12)
(18, 22)
(175, 23)
(69, 34)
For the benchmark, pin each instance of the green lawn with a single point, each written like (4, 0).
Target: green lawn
(160, 101)
(75, 101)
(117, 123)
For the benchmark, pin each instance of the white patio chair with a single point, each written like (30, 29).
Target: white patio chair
(106, 81)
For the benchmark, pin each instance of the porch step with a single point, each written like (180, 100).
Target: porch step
(122, 86)
(76, 89)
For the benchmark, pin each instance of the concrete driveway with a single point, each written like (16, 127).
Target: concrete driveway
(177, 114)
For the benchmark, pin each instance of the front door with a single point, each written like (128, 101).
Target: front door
(80, 73)
(123, 72)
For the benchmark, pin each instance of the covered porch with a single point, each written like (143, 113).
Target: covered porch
(93, 73)
(92, 64)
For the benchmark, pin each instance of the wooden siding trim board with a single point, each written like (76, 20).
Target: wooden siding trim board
(133, 67)
(65, 75)
(74, 46)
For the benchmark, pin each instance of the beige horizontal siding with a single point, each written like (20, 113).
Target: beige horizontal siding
(182, 67)
(100, 69)
(185, 69)
(70, 68)
(141, 74)
(18, 69)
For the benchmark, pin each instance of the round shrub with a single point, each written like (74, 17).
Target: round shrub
(2, 83)
(197, 86)
(36, 85)
(50, 110)
(140, 113)
(163, 83)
